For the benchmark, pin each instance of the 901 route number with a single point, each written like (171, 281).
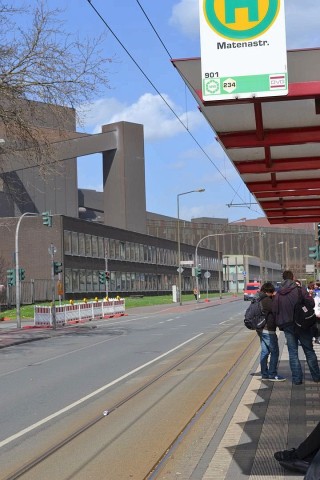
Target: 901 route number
(211, 75)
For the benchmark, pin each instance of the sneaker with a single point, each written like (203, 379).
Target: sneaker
(264, 377)
(286, 455)
(277, 378)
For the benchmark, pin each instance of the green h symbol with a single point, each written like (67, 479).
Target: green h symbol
(232, 5)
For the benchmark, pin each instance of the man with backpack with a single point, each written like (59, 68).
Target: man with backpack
(288, 296)
(268, 337)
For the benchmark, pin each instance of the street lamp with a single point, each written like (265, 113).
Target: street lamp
(178, 225)
(217, 235)
(18, 289)
(284, 260)
(295, 258)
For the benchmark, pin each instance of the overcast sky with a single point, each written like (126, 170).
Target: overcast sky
(174, 163)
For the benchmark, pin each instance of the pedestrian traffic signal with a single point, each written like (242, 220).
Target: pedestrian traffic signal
(11, 277)
(22, 274)
(47, 219)
(57, 267)
(315, 252)
(102, 278)
(108, 276)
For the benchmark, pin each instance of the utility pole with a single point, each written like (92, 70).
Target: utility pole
(261, 255)
(52, 251)
(107, 273)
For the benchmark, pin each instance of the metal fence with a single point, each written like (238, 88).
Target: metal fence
(31, 291)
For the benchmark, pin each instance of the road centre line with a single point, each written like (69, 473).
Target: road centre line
(59, 356)
(92, 394)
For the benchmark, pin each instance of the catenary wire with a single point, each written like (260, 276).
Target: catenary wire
(162, 97)
(154, 29)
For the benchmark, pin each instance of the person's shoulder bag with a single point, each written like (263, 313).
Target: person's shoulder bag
(304, 316)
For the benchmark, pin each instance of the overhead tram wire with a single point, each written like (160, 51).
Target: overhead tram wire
(185, 88)
(160, 95)
(153, 28)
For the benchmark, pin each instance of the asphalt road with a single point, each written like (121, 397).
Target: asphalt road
(45, 382)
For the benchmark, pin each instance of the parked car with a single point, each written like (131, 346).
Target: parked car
(252, 288)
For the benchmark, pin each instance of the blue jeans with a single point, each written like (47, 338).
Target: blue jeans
(269, 346)
(305, 337)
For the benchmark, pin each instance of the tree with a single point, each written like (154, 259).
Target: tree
(41, 64)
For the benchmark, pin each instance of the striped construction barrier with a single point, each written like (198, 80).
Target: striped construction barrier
(78, 312)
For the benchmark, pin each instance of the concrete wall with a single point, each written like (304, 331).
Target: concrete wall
(28, 188)
(124, 179)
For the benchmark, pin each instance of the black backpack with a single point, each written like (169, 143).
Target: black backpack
(254, 318)
(304, 316)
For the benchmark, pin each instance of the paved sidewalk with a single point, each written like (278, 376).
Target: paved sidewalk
(268, 417)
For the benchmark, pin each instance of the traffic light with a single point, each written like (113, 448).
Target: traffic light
(318, 232)
(11, 277)
(198, 272)
(22, 274)
(315, 252)
(47, 219)
(108, 276)
(102, 278)
(57, 267)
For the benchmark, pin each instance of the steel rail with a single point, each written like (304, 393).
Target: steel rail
(50, 451)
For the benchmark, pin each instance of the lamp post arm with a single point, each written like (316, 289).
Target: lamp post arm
(218, 235)
(178, 239)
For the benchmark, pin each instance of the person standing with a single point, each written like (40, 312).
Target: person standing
(195, 293)
(268, 337)
(316, 296)
(283, 307)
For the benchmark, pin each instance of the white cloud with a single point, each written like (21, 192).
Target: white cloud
(185, 16)
(149, 110)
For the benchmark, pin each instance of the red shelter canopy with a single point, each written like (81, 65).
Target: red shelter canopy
(273, 142)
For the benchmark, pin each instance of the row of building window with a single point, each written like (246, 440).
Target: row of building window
(85, 245)
(87, 281)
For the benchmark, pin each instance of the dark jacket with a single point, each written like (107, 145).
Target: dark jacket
(285, 300)
(266, 305)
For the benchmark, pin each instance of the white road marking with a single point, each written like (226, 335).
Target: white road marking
(92, 394)
(59, 356)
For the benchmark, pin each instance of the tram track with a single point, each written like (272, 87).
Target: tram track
(218, 341)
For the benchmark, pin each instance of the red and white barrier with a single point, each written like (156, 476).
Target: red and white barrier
(78, 312)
